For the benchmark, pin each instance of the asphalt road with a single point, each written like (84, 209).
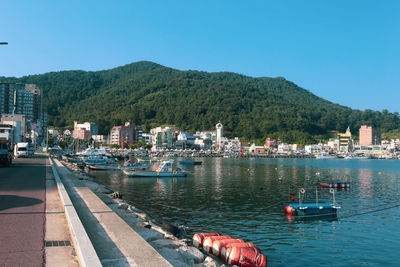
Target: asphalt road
(22, 212)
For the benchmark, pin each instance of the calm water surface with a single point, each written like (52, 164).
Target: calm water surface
(242, 198)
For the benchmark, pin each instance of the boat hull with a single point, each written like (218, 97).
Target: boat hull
(310, 209)
(190, 162)
(153, 174)
(103, 168)
(334, 184)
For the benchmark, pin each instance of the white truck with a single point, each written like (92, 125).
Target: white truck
(22, 150)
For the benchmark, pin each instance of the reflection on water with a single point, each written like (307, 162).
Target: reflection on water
(243, 198)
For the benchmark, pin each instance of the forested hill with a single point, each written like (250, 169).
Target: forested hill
(150, 94)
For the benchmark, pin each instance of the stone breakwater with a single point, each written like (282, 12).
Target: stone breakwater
(179, 252)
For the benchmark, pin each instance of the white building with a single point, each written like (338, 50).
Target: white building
(19, 123)
(88, 126)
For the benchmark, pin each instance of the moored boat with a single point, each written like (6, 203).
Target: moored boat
(94, 160)
(99, 167)
(335, 183)
(165, 169)
(190, 162)
(129, 165)
(325, 156)
(310, 210)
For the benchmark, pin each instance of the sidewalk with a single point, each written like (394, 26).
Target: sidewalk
(59, 250)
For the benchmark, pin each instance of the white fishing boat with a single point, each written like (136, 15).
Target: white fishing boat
(356, 156)
(165, 169)
(325, 156)
(130, 165)
(94, 160)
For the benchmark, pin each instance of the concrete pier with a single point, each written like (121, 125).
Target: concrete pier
(114, 241)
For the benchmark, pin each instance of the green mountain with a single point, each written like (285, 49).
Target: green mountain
(150, 94)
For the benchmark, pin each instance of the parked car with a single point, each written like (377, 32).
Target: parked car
(5, 153)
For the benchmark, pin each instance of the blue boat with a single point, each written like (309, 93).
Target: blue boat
(343, 183)
(310, 209)
(190, 162)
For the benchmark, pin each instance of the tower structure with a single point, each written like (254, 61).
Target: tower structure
(220, 133)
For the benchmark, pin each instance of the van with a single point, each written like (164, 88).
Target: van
(22, 150)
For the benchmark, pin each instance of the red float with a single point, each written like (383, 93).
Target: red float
(209, 240)
(219, 244)
(198, 239)
(250, 256)
(227, 249)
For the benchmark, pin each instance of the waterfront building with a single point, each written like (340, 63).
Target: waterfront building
(81, 134)
(333, 143)
(115, 135)
(146, 137)
(232, 145)
(127, 134)
(272, 143)
(130, 133)
(205, 144)
(163, 137)
(369, 136)
(99, 138)
(258, 149)
(345, 141)
(283, 148)
(317, 148)
(89, 126)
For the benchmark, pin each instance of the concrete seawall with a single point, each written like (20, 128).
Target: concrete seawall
(114, 241)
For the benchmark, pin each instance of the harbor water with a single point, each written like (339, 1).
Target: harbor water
(243, 198)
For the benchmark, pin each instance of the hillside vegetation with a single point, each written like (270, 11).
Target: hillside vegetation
(150, 94)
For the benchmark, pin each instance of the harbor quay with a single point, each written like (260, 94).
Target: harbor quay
(51, 214)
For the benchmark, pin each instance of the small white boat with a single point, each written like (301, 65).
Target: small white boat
(100, 167)
(129, 165)
(325, 156)
(355, 156)
(94, 160)
(165, 169)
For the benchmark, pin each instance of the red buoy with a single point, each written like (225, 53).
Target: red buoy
(227, 249)
(238, 253)
(198, 239)
(219, 244)
(209, 240)
(251, 258)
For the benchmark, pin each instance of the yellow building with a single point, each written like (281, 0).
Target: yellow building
(345, 141)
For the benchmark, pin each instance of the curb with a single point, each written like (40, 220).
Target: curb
(86, 253)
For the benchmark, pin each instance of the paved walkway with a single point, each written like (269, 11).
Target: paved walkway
(24, 216)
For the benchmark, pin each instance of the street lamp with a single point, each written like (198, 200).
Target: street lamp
(3, 43)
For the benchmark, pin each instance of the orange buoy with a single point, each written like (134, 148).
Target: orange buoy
(227, 249)
(198, 239)
(219, 244)
(236, 254)
(251, 258)
(209, 240)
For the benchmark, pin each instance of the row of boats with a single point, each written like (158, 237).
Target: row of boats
(130, 168)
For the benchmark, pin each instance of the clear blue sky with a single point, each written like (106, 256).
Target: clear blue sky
(347, 52)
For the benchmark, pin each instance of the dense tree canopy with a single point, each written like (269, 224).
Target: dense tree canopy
(150, 94)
